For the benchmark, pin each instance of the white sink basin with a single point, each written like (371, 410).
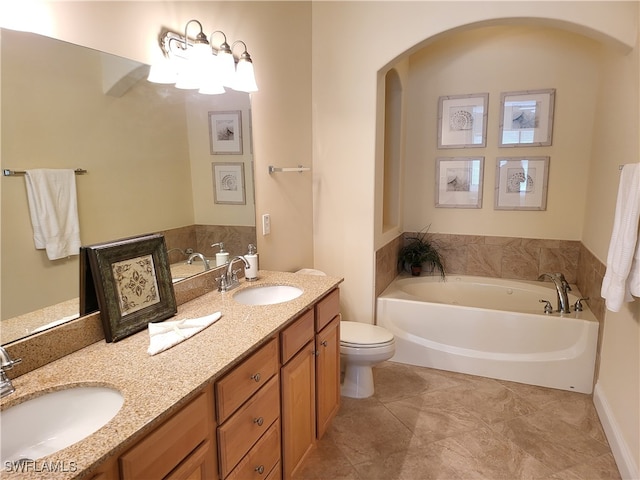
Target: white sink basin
(267, 294)
(48, 423)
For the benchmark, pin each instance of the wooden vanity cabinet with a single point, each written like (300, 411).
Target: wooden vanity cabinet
(248, 413)
(298, 386)
(327, 338)
(310, 379)
(182, 448)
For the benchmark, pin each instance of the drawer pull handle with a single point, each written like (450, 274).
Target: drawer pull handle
(259, 421)
(323, 343)
(260, 469)
(256, 377)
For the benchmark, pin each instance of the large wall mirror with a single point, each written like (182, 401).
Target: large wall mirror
(149, 159)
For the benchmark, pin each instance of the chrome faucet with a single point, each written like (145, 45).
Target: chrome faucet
(562, 289)
(193, 256)
(6, 363)
(229, 278)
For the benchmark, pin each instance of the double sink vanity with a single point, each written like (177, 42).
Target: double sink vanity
(246, 397)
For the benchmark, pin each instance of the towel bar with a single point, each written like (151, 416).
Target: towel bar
(14, 173)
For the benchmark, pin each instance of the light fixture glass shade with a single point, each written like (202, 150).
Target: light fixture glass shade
(163, 71)
(193, 69)
(245, 80)
(211, 84)
(226, 67)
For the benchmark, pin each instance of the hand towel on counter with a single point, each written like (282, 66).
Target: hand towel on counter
(622, 277)
(164, 335)
(53, 206)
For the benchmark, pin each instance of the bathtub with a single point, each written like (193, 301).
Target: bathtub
(491, 327)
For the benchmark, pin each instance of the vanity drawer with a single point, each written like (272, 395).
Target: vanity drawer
(236, 388)
(167, 446)
(327, 309)
(262, 458)
(247, 425)
(296, 336)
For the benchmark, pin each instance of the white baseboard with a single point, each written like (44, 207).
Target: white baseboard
(624, 460)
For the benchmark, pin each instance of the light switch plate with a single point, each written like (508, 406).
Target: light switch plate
(266, 224)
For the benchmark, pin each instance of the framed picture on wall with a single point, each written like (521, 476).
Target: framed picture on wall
(526, 118)
(459, 182)
(521, 183)
(462, 121)
(228, 183)
(225, 132)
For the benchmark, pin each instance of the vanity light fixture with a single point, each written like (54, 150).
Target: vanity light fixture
(195, 64)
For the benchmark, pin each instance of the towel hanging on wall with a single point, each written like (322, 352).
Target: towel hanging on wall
(622, 277)
(53, 207)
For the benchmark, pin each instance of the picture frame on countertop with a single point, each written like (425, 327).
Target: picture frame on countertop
(459, 182)
(521, 183)
(131, 282)
(462, 121)
(526, 118)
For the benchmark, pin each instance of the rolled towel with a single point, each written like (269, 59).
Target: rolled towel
(164, 335)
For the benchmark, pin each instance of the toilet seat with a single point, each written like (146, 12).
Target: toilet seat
(364, 335)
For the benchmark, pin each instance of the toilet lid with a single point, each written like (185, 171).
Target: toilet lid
(357, 333)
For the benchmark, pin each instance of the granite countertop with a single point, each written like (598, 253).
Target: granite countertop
(155, 386)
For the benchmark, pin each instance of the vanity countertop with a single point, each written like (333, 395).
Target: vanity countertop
(155, 386)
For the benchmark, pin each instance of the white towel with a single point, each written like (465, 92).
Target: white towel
(621, 279)
(53, 206)
(164, 335)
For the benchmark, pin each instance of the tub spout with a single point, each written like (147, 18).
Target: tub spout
(562, 289)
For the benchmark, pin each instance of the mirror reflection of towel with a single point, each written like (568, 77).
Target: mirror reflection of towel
(53, 207)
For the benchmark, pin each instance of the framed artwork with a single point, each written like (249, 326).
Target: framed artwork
(225, 132)
(521, 183)
(132, 283)
(228, 183)
(462, 121)
(459, 182)
(526, 118)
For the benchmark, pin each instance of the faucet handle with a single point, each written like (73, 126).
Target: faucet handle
(6, 362)
(578, 305)
(547, 306)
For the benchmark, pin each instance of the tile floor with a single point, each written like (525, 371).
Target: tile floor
(430, 424)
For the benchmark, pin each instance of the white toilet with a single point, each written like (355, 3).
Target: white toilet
(361, 347)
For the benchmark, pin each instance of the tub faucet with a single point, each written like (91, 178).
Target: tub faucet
(201, 257)
(562, 289)
(6, 363)
(229, 278)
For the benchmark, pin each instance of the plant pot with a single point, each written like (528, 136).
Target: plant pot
(416, 270)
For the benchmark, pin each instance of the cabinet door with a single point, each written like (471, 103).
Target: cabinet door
(298, 409)
(200, 465)
(327, 375)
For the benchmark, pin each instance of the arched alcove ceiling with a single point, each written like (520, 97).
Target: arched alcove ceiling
(605, 39)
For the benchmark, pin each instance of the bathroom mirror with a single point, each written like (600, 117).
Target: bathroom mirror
(149, 163)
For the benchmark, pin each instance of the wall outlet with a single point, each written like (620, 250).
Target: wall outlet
(266, 224)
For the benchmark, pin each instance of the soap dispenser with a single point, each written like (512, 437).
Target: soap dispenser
(251, 273)
(222, 257)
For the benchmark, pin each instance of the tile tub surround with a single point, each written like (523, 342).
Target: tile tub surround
(156, 386)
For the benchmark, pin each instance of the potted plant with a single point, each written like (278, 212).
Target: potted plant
(420, 253)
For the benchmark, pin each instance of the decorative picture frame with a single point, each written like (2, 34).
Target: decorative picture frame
(228, 183)
(521, 183)
(526, 118)
(462, 121)
(225, 132)
(459, 182)
(132, 283)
